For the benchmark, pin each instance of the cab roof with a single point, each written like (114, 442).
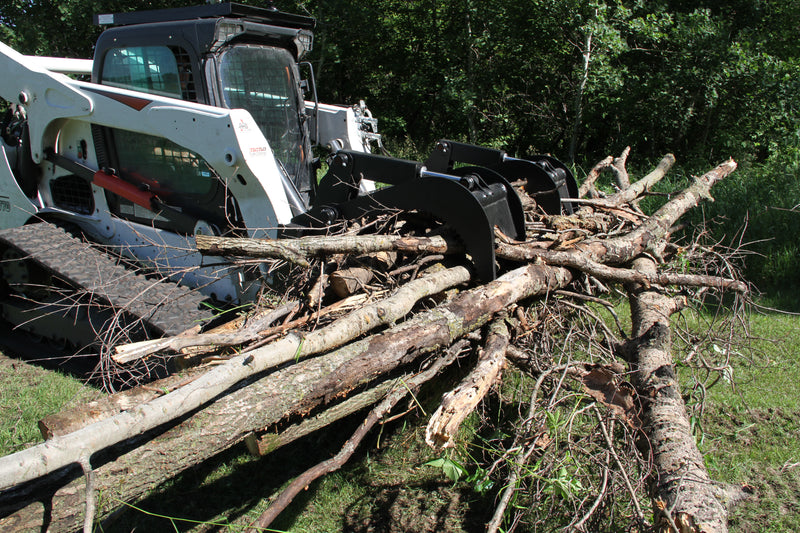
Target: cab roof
(262, 15)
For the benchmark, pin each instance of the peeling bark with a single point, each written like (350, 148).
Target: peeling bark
(457, 404)
(682, 491)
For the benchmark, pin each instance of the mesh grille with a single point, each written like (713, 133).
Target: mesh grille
(163, 167)
(262, 80)
(152, 69)
(188, 91)
(72, 194)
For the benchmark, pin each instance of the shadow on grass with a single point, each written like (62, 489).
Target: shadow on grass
(231, 488)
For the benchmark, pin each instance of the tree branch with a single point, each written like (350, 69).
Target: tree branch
(299, 251)
(457, 404)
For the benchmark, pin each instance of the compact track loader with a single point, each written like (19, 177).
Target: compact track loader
(198, 121)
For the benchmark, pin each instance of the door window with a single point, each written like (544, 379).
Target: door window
(261, 79)
(178, 175)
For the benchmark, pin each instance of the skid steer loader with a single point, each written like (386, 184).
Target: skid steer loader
(197, 121)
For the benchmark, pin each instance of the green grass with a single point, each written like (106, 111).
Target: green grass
(751, 433)
(29, 394)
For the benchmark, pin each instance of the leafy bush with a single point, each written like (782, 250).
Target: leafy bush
(765, 198)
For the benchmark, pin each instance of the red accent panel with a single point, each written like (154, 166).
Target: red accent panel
(131, 101)
(122, 188)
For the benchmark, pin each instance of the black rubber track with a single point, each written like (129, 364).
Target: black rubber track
(164, 306)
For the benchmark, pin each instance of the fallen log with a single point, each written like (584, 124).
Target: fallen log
(580, 261)
(263, 443)
(80, 416)
(621, 250)
(68, 449)
(685, 498)
(299, 251)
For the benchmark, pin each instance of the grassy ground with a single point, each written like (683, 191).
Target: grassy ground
(29, 393)
(749, 433)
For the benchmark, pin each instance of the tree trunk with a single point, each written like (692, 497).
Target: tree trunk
(682, 491)
(299, 250)
(587, 56)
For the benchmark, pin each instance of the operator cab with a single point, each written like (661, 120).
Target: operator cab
(224, 55)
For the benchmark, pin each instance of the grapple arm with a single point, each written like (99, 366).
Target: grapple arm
(471, 200)
(546, 179)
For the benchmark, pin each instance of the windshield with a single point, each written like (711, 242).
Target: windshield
(261, 79)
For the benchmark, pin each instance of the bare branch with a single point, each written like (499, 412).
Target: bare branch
(634, 191)
(299, 251)
(587, 187)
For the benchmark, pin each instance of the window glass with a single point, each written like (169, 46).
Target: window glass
(176, 174)
(162, 166)
(151, 69)
(262, 80)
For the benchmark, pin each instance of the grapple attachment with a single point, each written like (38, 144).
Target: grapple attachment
(473, 200)
(547, 180)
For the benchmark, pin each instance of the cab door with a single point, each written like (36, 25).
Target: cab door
(177, 175)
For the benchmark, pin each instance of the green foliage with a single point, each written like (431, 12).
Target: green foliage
(64, 27)
(662, 76)
(452, 469)
(764, 197)
(456, 471)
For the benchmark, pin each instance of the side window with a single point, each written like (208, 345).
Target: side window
(151, 69)
(166, 168)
